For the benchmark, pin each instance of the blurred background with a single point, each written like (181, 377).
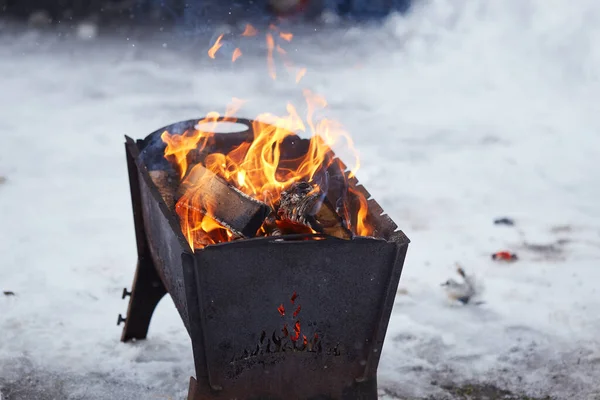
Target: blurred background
(463, 112)
(173, 10)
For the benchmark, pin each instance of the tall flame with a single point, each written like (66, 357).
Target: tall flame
(259, 168)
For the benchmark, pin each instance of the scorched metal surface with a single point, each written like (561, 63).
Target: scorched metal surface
(288, 317)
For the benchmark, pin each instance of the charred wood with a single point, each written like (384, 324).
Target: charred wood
(300, 203)
(330, 221)
(305, 205)
(204, 192)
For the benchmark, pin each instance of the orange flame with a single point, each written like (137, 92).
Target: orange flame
(286, 36)
(215, 47)
(270, 61)
(259, 168)
(178, 146)
(249, 31)
(300, 74)
(363, 210)
(237, 53)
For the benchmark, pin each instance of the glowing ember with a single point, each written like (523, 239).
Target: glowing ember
(213, 50)
(294, 297)
(270, 61)
(297, 311)
(237, 53)
(281, 310)
(250, 31)
(286, 36)
(296, 335)
(300, 74)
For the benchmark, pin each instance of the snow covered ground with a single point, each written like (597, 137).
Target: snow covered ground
(463, 111)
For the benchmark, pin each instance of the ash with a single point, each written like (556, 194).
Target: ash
(461, 110)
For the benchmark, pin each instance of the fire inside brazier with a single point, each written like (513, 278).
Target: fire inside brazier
(282, 268)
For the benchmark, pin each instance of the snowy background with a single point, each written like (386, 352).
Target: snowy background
(463, 111)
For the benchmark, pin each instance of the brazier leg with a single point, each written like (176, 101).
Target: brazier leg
(147, 289)
(193, 393)
(145, 294)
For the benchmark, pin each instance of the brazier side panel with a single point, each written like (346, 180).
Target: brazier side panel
(387, 304)
(253, 293)
(165, 243)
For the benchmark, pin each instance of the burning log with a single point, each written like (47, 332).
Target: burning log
(331, 222)
(205, 193)
(166, 185)
(299, 203)
(306, 205)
